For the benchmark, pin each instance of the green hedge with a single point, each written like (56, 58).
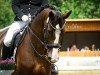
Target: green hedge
(7, 65)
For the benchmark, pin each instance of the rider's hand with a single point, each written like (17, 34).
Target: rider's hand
(25, 18)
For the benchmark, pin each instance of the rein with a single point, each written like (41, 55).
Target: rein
(54, 45)
(45, 42)
(47, 46)
(45, 56)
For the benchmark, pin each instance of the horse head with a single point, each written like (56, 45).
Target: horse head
(50, 24)
(53, 32)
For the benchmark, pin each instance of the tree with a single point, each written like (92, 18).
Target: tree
(6, 13)
(81, 9)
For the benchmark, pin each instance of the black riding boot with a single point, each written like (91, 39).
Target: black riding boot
(5, 52)
(54, 69)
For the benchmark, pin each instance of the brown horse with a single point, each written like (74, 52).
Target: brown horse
(41, 36)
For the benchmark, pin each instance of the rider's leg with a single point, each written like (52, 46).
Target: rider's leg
(14, 28)
(5, 52)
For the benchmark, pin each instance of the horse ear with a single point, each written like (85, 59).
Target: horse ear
(51, 15)
(66, 15)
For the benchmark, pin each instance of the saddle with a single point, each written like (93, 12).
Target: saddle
(17, 39)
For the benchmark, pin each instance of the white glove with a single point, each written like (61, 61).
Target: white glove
(24, 18)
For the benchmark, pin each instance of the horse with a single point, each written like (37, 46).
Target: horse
(40, 39)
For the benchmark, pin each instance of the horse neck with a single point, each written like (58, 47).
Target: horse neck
(37, 27)
(39, 22)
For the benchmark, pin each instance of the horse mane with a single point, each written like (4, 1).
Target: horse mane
(5, 28)
(42, 8)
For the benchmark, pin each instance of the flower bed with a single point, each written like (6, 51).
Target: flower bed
(7, 65)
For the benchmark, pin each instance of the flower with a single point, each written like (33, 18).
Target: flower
(7, 64)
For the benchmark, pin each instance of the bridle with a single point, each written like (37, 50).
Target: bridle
(48, 23)
(49, 46)
(45, 41)
(55, 27)
(46, 45)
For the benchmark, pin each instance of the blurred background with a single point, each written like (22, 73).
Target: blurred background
(81, 9)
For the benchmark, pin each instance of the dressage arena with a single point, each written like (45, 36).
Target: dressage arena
(69, 65)
(75, 66)
(80, 72)
(68, 72)
(75, 63)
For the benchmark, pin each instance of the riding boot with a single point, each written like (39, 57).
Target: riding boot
(54, 69)
(5, 52)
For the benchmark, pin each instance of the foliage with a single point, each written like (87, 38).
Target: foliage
(81, 9)
(7, 65)
(6, 14)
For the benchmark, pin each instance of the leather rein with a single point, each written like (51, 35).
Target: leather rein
(44, 43)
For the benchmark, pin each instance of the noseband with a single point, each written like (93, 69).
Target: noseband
(52, 45)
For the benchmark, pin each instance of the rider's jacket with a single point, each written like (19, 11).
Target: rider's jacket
(24, 7)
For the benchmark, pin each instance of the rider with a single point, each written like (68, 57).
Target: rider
(21, 9)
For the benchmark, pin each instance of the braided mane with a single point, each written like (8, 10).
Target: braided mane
(42, 8)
